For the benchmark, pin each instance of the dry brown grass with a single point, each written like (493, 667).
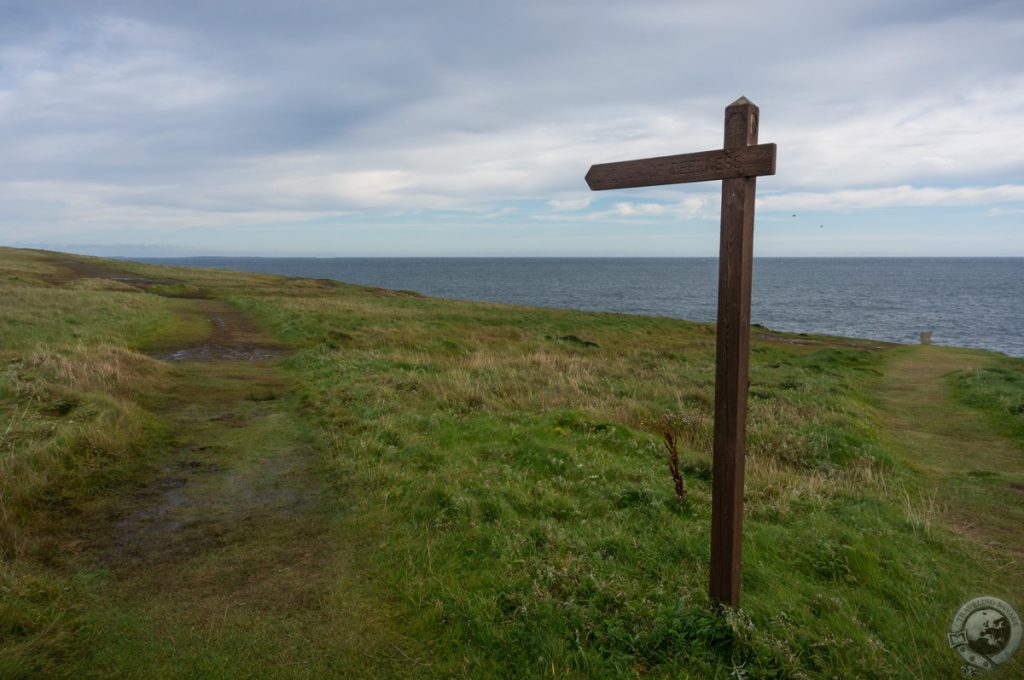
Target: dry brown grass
(89, 283)
(70, 416)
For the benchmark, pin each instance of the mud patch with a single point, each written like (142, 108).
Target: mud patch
(147, 529)
(79, 269)
(199, 506)
(787, 340)
(144, 282)
(192, 466)
(215, 352)
(391, 292)
(233, 337)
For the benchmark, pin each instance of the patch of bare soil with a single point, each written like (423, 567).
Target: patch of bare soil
(228, 546)
(234, 337)
(235, 502)
(790, 340)
(204, 501)
(80, 269)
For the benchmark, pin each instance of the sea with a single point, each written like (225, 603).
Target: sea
(966, 302)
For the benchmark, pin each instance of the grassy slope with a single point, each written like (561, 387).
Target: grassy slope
(998, 390)
(963, 461)
(497, 474)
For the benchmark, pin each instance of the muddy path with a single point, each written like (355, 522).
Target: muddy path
(239, 465)
(238, 456)
(229, 552)
(238, 462)
(67, 268)
(233, 336)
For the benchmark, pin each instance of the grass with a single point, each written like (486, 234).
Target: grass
(998, 391)
(530, 517)
(486, 492)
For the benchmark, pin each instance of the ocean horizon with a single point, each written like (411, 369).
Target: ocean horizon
(964, 301)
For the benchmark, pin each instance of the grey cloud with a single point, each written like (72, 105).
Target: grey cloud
(319, 107)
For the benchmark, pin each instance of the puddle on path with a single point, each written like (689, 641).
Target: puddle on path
(214, 489)
(233, 337)
(213, 351)
(234, 507)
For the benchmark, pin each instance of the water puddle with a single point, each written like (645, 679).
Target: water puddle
(234, 337)
(214, 352)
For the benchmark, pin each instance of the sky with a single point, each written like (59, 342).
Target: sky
(465, 128)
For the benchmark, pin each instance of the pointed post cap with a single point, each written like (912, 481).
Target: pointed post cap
(741, 124)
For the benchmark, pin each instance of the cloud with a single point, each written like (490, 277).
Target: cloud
(893, 197)
(578, 203)
(148, 114)
(693, 206)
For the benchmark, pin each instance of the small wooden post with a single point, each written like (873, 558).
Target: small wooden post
(737, 164)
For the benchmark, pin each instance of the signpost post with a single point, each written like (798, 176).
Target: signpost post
(737, 164)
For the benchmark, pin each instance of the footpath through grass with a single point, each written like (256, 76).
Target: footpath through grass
(433, 488)
(225, 563)
(167, 518)
(948, 412)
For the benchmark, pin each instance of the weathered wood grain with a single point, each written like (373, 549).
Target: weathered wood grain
(735, 259)
(702, 166)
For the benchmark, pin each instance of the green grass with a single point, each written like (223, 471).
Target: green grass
(491, 493)
(998, 391)
(69, 430)
(530, 519)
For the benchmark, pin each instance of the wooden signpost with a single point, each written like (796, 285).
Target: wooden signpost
(737, 164)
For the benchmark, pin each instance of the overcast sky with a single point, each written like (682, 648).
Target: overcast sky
(317, 127)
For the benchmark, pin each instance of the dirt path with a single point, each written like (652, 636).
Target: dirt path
(229, 558)
(70, 268)
(237, 459)
(970, 471)
(233, 337)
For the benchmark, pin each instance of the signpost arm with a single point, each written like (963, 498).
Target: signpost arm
(731, 384)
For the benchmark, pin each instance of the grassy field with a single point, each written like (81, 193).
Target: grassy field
(214, 474)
